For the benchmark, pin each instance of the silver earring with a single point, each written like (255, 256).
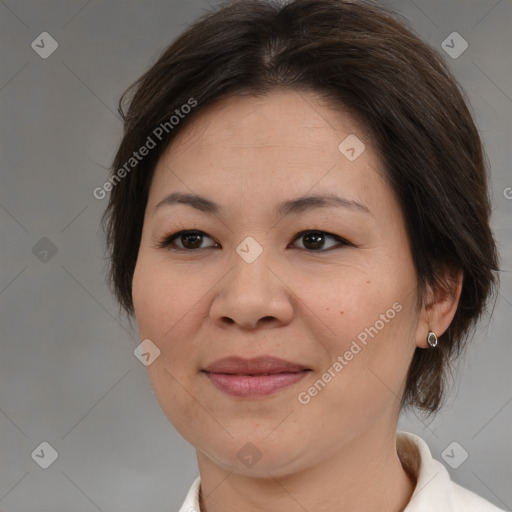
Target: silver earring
(432, 339)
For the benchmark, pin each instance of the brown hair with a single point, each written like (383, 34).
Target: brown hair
(361, 58)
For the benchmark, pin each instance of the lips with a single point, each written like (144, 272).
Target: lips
(263, 365)
(256, 377)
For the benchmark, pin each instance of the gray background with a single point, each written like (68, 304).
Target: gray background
(68, 375)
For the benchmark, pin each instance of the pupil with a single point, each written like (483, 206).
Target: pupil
(187, 236)
(315, 239)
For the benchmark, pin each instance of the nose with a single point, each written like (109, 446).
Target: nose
(252, 295)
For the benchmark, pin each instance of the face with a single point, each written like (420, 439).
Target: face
(327, 285)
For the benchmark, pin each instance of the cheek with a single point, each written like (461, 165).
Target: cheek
(162, 301)
(163, 297)
(366, 322)
(342, 303)
(171, 306)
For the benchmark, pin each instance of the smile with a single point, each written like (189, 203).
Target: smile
(254, 385)
(259, 376)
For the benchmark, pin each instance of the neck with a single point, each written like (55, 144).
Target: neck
(366, 475)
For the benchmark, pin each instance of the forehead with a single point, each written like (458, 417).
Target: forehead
(266, 142)
(280, 118)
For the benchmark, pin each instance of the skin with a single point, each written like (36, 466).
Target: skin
(302, 304)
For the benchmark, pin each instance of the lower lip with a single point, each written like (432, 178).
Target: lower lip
(254, 385)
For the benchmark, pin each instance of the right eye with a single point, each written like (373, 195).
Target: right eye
(189, 239)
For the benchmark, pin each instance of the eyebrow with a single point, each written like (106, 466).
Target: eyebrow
(292, 206)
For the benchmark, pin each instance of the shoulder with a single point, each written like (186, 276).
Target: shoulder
(435, 490)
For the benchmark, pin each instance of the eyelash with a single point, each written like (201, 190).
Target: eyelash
(167, 241)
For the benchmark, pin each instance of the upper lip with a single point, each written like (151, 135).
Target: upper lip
(255, 366)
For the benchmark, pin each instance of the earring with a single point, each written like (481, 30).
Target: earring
(432, 339)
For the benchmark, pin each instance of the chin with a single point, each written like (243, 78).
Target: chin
(256, 456)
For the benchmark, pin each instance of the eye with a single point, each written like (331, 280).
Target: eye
(315, 240)
(189, 240)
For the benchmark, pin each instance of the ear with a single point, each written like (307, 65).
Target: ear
(438, 312)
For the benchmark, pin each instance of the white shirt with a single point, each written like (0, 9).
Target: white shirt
(434, 491)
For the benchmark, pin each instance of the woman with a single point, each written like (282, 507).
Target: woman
(299, 223)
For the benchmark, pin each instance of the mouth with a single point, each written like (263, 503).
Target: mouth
(254, 377)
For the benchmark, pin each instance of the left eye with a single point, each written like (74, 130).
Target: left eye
(192, 240)
(316, 239)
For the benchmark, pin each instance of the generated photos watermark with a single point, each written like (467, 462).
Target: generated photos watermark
(137, 156)
(304, 397)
